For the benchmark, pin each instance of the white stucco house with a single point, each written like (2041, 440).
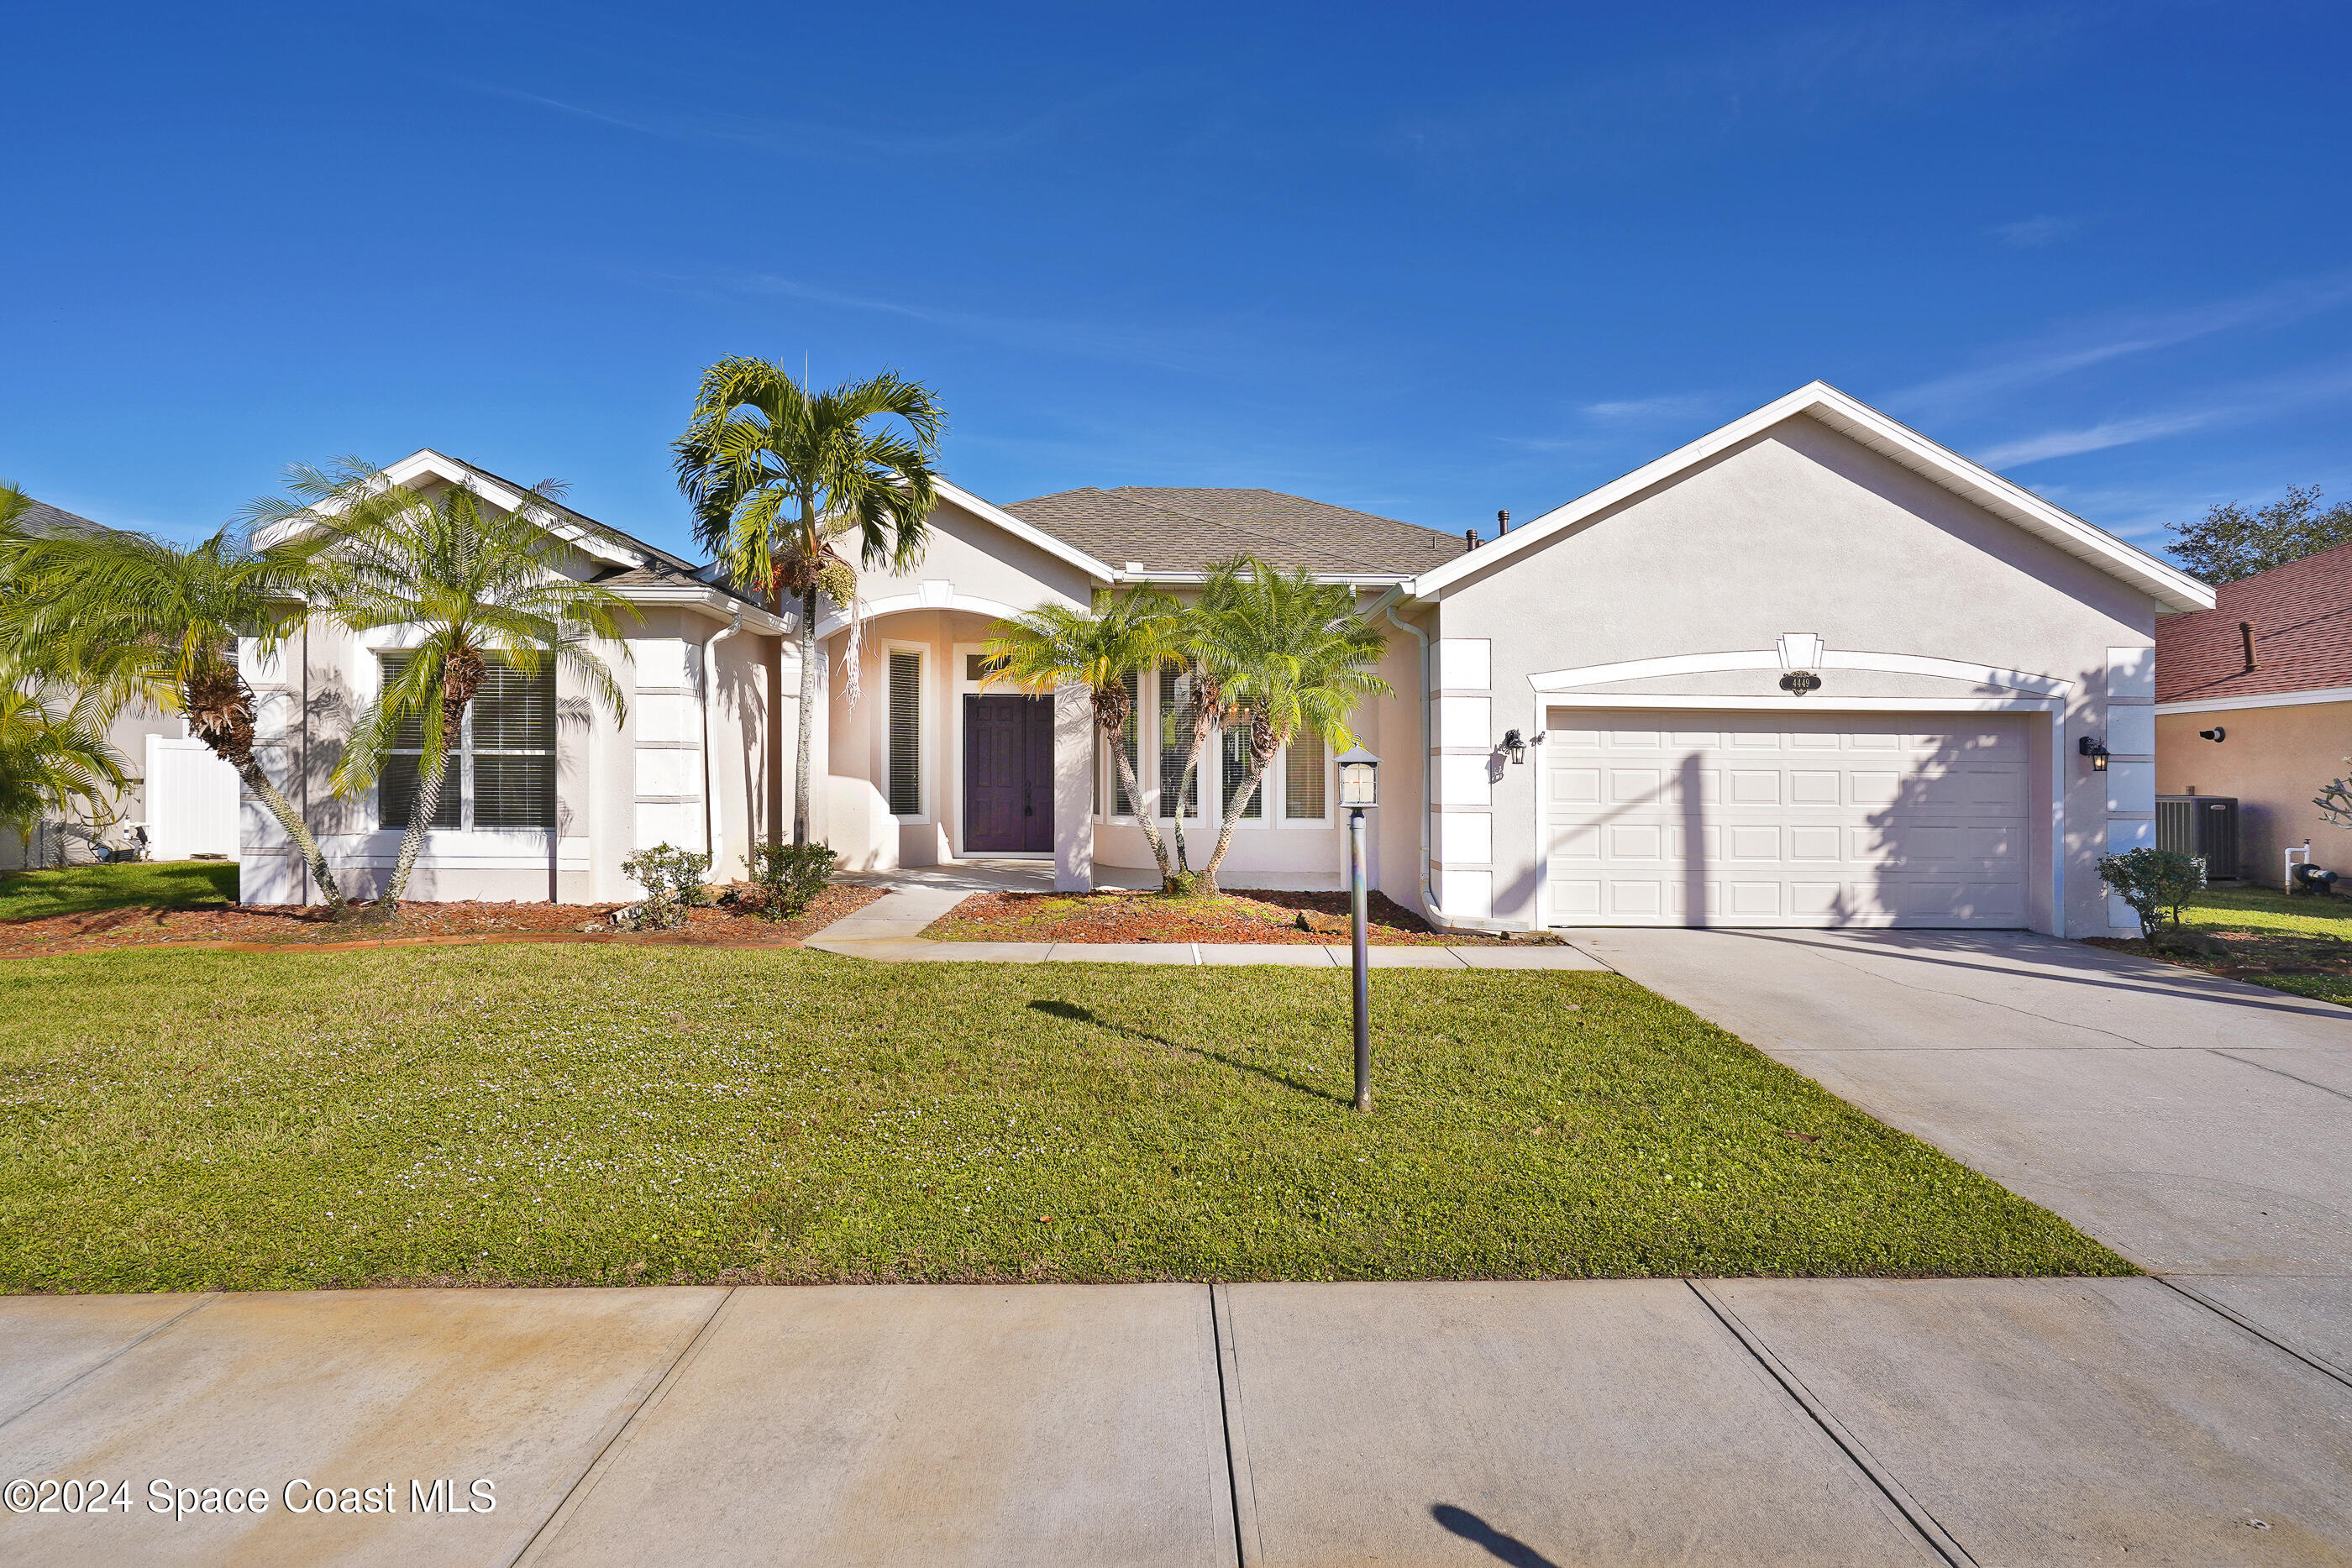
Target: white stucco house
(1975, 727)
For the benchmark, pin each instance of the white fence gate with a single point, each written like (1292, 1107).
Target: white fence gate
(191, 801)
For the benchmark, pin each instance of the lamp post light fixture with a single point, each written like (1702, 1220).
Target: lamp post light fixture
(2096, 751)
(1359, 788)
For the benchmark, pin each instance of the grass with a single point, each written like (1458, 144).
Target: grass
(138, 885)
(609, 1115)
(2302, 945)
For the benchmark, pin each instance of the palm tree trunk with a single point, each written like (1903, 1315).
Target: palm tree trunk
(1233, 810)
(1168, 880)
(290, 819)
(808, 717)
(421, 813)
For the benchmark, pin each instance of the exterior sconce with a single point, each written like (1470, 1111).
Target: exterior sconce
(1515, 745)
(2217, 733)
(2095, 751)
(1356, 788)
(1797, 683)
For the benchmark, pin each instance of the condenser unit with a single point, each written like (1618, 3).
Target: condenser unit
(2202, 825)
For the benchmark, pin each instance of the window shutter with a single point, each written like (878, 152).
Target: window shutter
(1175, 740)
(1302, 778)
(905, 734)
(1237, 760)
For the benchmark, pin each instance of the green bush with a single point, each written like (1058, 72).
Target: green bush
(789, 876)
(2152, 881)
(672, 879)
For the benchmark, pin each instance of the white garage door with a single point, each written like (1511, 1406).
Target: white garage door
(1781, 819)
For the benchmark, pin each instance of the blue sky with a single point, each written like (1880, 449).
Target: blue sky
(1426, 261)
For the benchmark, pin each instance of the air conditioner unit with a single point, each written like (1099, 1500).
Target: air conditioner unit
(2202, 825)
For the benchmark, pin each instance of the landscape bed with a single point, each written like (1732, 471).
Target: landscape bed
(500, 1115)
(1119, 915)
(82, 909)
(2300, 944)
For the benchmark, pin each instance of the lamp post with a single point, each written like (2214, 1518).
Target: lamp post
(1356, 791)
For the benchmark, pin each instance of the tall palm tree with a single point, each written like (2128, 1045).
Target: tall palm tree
(50, 760)
(1293, 654)
(124, 617)
(470, 583)
(778, 476)
(1131, 632)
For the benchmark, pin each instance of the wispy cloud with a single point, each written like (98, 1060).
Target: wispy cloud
(2032, 234)
(1648, 410)
(2107, 339)
(2240, 404)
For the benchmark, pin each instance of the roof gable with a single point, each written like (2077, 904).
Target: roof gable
(2172, 589)
(2285, 630)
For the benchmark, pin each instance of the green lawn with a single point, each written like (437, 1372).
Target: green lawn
(138, 885)
(177, 1120)
(2301, 944)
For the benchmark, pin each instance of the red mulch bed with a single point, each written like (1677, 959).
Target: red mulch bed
(1237, 916)
(294, 926)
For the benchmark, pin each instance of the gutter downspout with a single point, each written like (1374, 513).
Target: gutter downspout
(1428, 900)
(713, 831)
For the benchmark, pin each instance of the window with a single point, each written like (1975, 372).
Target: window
(1176, 740)
(1130, 741)
(1237, 763)
(1302, 779)
(977, 668)
(905, 766)
(502, 774)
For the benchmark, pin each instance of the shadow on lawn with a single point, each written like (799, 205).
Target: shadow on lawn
(1076, 1014)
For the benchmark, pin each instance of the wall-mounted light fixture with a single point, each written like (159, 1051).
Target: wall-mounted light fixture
(2217, 733)
(2096, 751)
(1797, 683)
(1514, 745)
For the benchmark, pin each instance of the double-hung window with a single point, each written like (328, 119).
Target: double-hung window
(502, 773)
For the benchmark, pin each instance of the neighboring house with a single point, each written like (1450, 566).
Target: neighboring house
(1962, 638)
(184, 797)
(2269, 668)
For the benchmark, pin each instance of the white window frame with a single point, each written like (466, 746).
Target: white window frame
(1107, 766)
(458, 768)
(926, 743)
(1282, 793)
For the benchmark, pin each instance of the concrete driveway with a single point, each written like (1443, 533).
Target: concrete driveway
(2201, 1127)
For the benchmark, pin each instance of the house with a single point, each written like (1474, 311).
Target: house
(2254, 700)
(1811, 669)
(183, 797)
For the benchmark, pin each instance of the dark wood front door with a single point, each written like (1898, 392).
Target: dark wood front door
(1008, 774)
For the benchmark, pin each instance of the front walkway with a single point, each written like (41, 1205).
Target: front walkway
(889, 930)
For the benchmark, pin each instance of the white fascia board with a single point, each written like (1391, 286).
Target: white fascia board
(1029, 532)
(710, 598)
(2173, 589)
(2265, 700)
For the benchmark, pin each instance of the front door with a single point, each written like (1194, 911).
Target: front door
(1008, 774)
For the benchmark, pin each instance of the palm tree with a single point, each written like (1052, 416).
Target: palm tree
(470, 583)
(49, 761)
(1293, 654)
(778, 475)
(1125, 633)
(122, 617)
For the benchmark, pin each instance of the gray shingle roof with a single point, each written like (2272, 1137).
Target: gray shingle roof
(1182, 529)
(41, 518)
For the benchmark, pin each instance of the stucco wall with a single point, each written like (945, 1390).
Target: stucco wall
(1801, 530)
(2273, 759)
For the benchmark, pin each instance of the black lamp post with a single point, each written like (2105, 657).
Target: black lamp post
(1358, 791)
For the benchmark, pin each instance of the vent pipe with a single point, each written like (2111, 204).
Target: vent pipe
(2246, 640)
(1502, 524)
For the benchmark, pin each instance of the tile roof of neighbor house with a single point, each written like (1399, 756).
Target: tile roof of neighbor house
(1168, 529)
(2300, 615)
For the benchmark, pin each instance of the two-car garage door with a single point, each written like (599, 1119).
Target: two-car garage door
(1677, 817)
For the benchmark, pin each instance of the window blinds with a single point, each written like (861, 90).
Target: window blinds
(502, 774)
(1302, 778)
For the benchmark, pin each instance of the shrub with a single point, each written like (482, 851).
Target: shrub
(2152, 881)
(672, 879)
(789, 876)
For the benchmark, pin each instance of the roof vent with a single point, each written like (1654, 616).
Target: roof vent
(1469, 539)
(1502, 524)
(1135, 566)
(2246, 638)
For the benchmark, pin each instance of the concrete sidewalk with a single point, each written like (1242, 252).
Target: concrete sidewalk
(891, 931)
(1584, 1424)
